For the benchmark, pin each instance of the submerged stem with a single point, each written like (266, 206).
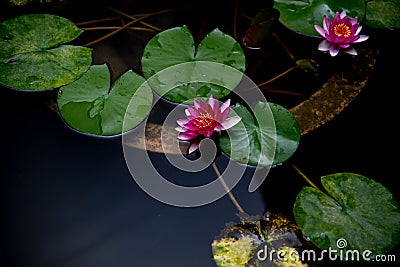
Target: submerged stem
(232, 197)
(277, 77)
(116, 27)
(305, 177)
(128, 25)
(284, 46)
(134, 18)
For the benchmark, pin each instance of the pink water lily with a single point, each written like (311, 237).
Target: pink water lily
(339, 34)
(203, 119)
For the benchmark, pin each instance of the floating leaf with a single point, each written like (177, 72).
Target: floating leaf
(257, 240)
(269, 137)
(307, 65)
(172, 53)
(383, 14)
(90, 106)
(358, 213)
(261, 28)
(301, 15)
(32, 54)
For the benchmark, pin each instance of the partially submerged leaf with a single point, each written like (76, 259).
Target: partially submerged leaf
(90, 106)
(34, 54)
(267, 138)
(187, 72)
(307, 65)
(257, 240)
(260, 29)
(301, 15)
(357, 213)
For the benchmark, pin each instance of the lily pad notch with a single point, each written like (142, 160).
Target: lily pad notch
(91, 106)
(174, 51)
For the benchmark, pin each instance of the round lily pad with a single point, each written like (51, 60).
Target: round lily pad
(34, 54)
(267, 138)
(176, 48)
(301, 15)
(89, 105)
(355, 213)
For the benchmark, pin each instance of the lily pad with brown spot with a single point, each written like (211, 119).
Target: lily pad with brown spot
(35, 53)
(267, 240)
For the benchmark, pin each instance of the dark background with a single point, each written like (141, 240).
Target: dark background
(68, 199)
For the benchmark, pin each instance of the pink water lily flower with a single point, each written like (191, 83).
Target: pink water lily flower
(203, 119)
(339, 34)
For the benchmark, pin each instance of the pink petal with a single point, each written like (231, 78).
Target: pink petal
(338, 40)
(203, 106)
(213, 102)
(343, 14)
(358, 30)
(193, 147)
(355, 29)
(352, 39)
(196, 103)
(208, 134)
(215, 110)
(361, 39)
(192, 111)
(209, 110)
(181, 129)
(345, 20)
(336, 18)
(326, 23)
(224, 115)
(225, 105)
(225, 109)
(182, 122)
(324, 46)
(351, 51)
(354, 20)
(230, 122)
(191, 127)
(320, 30)
(334, 50)
(189, 135)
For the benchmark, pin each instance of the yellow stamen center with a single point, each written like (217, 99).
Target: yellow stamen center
(342, 29)
(205, 122)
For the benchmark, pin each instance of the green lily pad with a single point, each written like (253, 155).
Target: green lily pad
(268, 138)
(357, 213)
(307, 65)
(172, 53)
(383, 14)
(301, 15)
(90, 106)
(257, 240)
(33, 54)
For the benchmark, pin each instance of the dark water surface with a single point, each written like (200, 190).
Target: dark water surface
(68, 199)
